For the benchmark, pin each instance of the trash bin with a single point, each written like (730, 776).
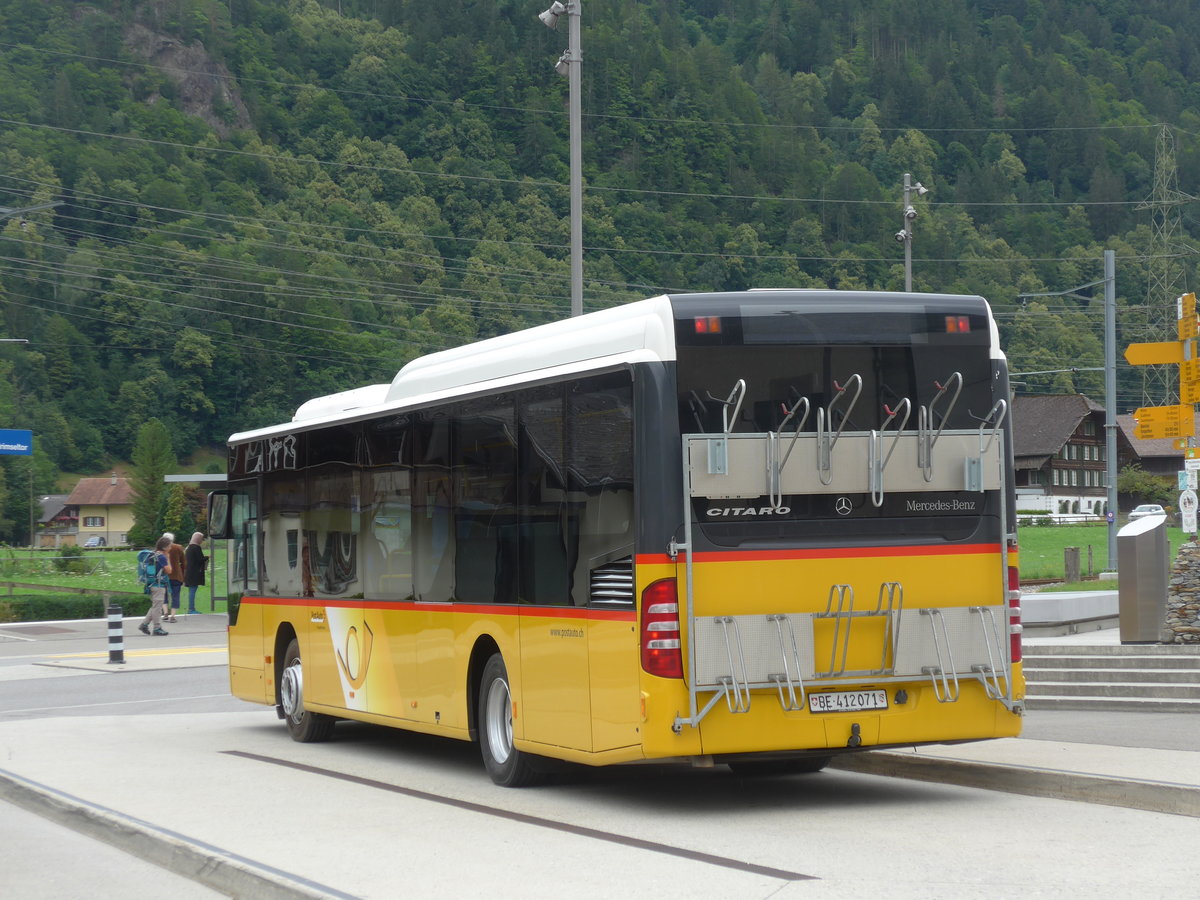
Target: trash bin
(1143, 573)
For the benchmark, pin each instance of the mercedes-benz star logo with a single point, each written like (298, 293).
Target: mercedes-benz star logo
(843, 506)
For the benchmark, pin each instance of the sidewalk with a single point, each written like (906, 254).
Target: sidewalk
(1133, 776)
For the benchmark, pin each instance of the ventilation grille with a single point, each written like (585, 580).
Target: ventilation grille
(612, 583)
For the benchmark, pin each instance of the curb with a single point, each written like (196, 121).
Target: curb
(1060, 784)
(212, 866)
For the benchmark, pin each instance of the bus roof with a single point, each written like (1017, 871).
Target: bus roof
(642, 331)
(635, 332)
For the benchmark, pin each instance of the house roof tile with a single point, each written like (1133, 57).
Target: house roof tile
(1153, 447)
(101, 492)
(1042, 424)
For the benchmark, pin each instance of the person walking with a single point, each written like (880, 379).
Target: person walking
(195, 564)
(178, 571)
(158, 589)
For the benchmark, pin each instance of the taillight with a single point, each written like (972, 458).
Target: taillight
(661, 654)
(1014, 607)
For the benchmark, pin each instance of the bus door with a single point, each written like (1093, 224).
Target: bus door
(340, 645)
(555, 700)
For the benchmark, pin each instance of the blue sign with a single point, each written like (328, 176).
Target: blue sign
(16, 443)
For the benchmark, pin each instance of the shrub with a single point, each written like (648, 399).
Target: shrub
(70, 560)
(49, 607)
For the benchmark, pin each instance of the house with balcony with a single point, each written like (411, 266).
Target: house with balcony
(57, 522)
(1059, 456)
(104, 509)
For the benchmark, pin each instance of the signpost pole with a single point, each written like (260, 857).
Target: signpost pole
(1110, 400)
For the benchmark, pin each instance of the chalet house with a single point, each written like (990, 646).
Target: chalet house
(1059, 454)
(57, 522)
(105, 509)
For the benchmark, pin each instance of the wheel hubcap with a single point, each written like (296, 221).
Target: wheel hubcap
(499, 721)
(291, 692)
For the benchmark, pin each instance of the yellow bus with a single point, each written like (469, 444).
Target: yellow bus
(755, 529)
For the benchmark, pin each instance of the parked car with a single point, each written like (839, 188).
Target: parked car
(95, 541)
(1146, 509)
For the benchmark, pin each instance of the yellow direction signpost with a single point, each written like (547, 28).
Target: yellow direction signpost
(1160, 353)
(1172, 421)
(1164, 422)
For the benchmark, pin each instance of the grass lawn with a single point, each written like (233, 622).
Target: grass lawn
(1042, 548)
(103, 570)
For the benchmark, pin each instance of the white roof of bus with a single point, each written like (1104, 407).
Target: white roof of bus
(636, 332)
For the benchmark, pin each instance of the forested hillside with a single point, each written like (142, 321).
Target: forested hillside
(259, 201)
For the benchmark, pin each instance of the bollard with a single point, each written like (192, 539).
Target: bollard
(1071, 564)
(116, 635)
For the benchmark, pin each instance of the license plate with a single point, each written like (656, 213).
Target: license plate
(847, 701)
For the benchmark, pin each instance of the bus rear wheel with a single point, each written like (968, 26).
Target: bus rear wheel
(507, 766)
(304, 726)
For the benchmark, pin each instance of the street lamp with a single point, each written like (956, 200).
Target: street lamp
(8, 212)
(569, 64)
(905, 234)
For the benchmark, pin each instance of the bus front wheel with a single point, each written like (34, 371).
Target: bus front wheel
(305, 727)
(507, 766)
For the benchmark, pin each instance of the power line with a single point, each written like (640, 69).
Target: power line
(530, 183)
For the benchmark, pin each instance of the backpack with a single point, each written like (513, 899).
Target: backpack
(148, 572)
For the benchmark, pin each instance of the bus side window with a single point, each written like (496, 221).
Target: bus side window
(433, 512)
(485, 525)
(547, 515)
(600, 471)
(387, 515)
(244, 566)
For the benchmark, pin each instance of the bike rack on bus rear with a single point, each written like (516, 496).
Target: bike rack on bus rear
(730, 656)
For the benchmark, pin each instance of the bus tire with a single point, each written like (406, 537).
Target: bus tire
(304, 726)
(507, 766)
(750, 769)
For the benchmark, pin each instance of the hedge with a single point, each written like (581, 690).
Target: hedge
(49, 607)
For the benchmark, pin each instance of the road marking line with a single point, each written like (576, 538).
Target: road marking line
(34, 709)
(173, 651)
(538, 821)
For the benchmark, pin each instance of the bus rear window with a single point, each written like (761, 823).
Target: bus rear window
(780, 375)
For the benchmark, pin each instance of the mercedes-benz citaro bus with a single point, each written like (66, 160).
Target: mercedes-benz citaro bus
(757, 529)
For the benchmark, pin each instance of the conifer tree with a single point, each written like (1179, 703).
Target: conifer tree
(152, 459)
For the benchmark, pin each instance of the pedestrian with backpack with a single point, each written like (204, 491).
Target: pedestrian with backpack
(157, 575)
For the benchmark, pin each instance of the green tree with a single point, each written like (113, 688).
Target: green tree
(1138, 484)
(153, 458)
(173, 513)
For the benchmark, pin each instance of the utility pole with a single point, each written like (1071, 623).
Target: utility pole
(570, 64)
(1110, 387)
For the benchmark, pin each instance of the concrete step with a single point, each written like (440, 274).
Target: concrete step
(1114, 689)
(1116, 663)
(1173, 650)
(1096, 674)
(1113, 704)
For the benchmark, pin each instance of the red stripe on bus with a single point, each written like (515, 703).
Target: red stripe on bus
(477, 609)
(824, 553)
